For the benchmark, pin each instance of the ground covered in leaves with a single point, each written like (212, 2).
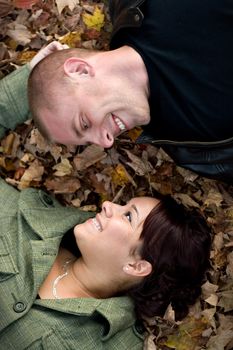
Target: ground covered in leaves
(84, 177)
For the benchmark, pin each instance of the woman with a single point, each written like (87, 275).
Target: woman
(65, 275)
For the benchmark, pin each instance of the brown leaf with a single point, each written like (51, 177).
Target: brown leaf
(186, 200)
(91, 155)
(226, 300)
(63, 185)
(33, 173)
(63, 168)
(25, 4)
(5, 7)
(141, 166)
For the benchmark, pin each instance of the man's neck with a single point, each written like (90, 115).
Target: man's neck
(126, 61)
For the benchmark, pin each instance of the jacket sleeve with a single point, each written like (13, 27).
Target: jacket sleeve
(13, 99)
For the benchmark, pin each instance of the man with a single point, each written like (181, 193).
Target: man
(169, 69)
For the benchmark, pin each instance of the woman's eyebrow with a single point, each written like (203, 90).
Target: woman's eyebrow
(133, 206)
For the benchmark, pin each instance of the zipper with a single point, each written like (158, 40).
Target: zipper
(200, 144)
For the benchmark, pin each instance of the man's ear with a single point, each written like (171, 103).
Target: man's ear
(138, 268)
(75, 66)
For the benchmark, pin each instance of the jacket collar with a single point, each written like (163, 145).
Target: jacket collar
(46, 217)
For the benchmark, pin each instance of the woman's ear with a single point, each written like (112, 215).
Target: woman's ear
(75, 66)
(140, 268)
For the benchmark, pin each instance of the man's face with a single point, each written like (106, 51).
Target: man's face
(94, 114)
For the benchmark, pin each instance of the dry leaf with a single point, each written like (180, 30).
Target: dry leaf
(20, 34)
(219, 341)
(33, 173)
(120, 176)
(63, 185)
(61, 4)
(229, 269)
(5, 7)
(226, 300)
(186, 200)
(141, 167)
(189, 334)
(188, 175)
(212, 300)
(94, 21)
(91, 155)
(24, 4)
(63, 168)
(71, 39)
(214, 197)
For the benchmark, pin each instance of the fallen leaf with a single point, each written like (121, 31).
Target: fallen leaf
(212, 300)
(61, 4)
(120, 176)
(63, 168)
(186, 200)
(226, 300)
(219, 341)
(20, 34)
(24, 4)
(33, 173)
(91, 155)
(141, 167)
(229, 269)
(71, 39)
(214, 197)
(188, 336)
(95, 21)
(5, 7)
(63, 185)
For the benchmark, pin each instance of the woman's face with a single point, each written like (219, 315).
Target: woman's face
(111, 239)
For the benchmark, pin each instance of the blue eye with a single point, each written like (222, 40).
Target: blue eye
(128, 215)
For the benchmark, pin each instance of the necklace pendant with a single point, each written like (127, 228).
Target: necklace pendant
(59, 277)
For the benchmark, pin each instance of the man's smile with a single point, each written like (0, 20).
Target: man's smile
(120, 124)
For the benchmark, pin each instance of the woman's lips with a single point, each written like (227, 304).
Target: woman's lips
(97, 224)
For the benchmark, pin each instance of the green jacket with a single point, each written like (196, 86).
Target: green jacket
(32, 224)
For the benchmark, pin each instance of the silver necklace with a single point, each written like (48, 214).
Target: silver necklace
(65, 273)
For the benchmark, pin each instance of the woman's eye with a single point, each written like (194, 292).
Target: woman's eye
(128, 216)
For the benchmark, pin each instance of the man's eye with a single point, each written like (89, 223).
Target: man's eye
(128, 216)
(84, 123)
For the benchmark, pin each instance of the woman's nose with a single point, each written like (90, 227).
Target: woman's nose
(107, 208)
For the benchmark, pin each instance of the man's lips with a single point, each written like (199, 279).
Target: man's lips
(119, 123)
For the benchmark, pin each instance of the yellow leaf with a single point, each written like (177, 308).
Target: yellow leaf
(189, 334)
(26, 56)
(33, 173)
(63, 168)
(121, 177)
(135, 133)
(71, 39)
(95, 21)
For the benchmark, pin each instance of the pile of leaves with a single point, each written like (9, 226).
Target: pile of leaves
(86, 176)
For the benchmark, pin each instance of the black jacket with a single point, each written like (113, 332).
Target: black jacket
(210, 159)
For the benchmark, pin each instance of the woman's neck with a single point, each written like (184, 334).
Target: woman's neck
(69, 277)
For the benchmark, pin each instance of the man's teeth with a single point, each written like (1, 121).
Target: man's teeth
(97, 225)
(122, 126)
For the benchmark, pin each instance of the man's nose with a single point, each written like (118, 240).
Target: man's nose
(103, 138)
